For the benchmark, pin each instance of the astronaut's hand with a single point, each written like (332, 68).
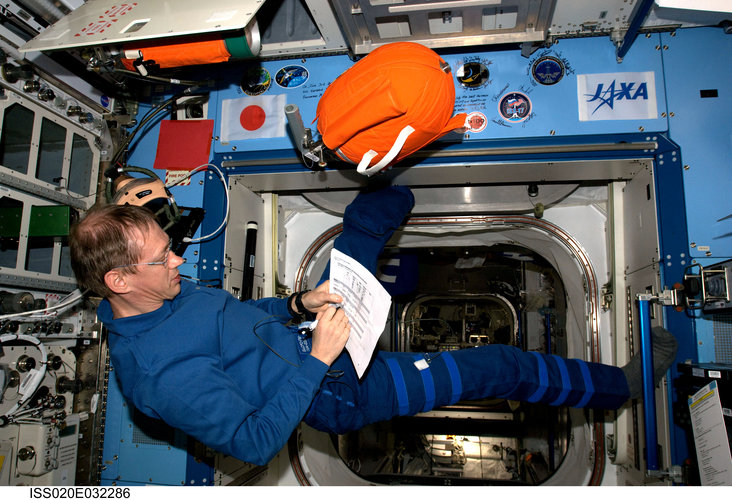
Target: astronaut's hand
(330, 335)
(319, 299)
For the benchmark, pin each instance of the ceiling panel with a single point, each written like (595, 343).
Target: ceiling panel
(109, 21)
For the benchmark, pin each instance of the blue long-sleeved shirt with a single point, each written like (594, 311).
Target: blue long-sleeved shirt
(223, 371)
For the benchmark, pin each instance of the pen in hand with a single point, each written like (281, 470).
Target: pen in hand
(310, 325)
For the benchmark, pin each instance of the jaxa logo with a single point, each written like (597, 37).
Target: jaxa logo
(606, 96)
(617, 96)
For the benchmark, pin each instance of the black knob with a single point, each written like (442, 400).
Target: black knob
(13, 379)
(16, 302)
(9, 327)
(13, 73)
(25, 363)
(59, 402)
(40, 328)
(26, 453)
(32, 86)
(65, 384)
(46, 94)
(56, 362)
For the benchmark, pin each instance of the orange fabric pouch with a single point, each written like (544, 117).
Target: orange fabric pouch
(179, 54)
(394, 101)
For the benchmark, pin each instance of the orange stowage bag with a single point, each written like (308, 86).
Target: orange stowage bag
(174, 55)
(389, 104)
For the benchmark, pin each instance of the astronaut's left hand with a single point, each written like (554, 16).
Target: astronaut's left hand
(318, 299)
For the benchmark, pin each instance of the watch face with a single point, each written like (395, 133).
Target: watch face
(472, 74)
(291, 76)
(514, 107)
(256, 80)
(547, 70)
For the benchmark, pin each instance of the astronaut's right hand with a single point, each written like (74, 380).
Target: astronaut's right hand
(330, 334)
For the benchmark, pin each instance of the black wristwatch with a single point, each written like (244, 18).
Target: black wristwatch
(303, 313)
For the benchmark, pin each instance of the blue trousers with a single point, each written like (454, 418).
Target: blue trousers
(402, 384)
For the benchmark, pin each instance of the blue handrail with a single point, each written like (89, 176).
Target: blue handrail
(649, 392)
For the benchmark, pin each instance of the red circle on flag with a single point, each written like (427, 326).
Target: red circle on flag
(252, 117)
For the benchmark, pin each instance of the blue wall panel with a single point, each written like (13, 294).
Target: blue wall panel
(554, 107)
(132, 455)
(699, 102)
(701, 126)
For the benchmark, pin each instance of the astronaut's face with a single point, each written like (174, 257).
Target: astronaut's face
(156, 277)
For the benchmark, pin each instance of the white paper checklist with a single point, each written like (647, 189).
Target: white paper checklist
(365, 302)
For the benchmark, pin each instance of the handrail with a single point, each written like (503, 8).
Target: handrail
(649, 394)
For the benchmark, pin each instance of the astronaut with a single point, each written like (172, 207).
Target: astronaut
(233, 374)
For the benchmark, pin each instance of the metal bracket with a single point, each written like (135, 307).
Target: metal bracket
(665, 298)
(669, 297)
(673, 473)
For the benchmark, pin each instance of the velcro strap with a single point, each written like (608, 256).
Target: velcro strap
(429, 385)
(456, 381)
(589, 386)
(399, 385)
(543, 379)
(566, 384)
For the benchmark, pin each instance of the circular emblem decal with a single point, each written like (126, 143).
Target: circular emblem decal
(547, 70)
(472, 74)
(514, 107)
(476, 121)
(291, 76)
(256, 80)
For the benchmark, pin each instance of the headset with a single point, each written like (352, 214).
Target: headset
(149, 191)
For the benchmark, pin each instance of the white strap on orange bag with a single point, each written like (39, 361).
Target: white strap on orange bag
(363, 165)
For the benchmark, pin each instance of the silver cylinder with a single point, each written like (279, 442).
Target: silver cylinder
(296, 126)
